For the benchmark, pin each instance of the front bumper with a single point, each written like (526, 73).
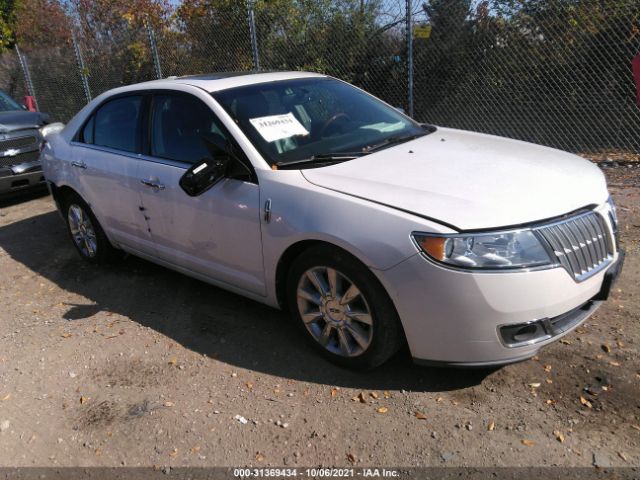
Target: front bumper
(459, 319)
(21, 177)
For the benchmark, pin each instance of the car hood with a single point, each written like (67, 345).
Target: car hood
(20, 120)
(469, 180)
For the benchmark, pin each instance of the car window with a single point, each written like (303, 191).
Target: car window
(116, 124)
(87, 131)
(184, 129)
(7, 103)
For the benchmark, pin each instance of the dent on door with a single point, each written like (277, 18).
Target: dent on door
(108, 183)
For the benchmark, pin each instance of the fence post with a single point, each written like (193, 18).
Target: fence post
(81, 67)
(253, 34)
(409, 21)
(154, 50)
(27, 75)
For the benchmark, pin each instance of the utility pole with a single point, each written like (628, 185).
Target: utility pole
(154, 50)
(82, 68)
(253, 34)
(409, 21)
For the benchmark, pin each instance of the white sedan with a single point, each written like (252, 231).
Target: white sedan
(305, 193)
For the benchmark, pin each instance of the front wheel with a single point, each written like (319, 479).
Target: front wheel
(342, 308)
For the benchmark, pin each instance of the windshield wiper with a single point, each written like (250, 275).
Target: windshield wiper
(322, 158)
(394, 140)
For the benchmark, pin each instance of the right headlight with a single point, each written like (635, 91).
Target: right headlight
(492, 251)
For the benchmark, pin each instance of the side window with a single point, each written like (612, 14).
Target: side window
(87, 131)
(116, 124)
(183, 129)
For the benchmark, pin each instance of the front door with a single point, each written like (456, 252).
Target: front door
(216, 234)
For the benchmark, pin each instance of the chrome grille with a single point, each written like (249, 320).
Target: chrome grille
(583, 244)
(20, 158)
(19, 142)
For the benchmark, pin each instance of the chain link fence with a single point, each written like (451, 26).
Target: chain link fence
(556, 73)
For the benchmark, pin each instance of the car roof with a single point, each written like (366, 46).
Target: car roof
(213, 82)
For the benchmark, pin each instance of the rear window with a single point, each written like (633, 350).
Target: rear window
(116, 124)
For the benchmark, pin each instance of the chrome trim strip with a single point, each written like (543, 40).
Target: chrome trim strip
(136, 156)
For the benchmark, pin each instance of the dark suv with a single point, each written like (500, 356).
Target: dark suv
(20, 141)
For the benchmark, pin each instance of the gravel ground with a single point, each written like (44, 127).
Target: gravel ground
(136, 365)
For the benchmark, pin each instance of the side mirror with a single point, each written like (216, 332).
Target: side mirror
(204, 175)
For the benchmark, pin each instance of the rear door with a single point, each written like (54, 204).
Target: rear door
(215, 234)
(105, 161)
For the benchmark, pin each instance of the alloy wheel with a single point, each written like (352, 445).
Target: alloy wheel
(335, 311)
(82, 231)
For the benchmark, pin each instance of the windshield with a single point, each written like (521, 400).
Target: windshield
(298, 119)
(7, 103)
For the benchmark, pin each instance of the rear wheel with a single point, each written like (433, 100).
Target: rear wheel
(342, 308)
(86, 233)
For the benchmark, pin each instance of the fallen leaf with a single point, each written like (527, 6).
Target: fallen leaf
(605, 348)
(585, 402)
(66, 335)
(623, 456)
(527, 443)
(534, 385)
(455, 402)
(173, 453)
(168, 404)
(173, 361)
(387, 394)
(549, 381)
(83, 400)
(259, 457)
(334, 392)
(559, 436)
(421, 416)
(195, 449)
(373, 395)
(382, 410)
(565, 342)
(635, 427)
(98, 452)
(535, 358)
(6, 397)
(551, 402)
(620, 344)
(362, 398)
(351, 457)
(249, 385)
(439, 399)
(492, 426)
(547, 368)
(614, 364)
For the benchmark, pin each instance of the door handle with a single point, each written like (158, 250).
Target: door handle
(79, 165)
(152, 184)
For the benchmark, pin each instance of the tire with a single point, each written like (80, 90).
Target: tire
(85, 232)
(360, 333)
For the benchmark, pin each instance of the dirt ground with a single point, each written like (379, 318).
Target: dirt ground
(134, 364)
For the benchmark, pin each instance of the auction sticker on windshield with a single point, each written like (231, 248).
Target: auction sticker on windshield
(277, 127)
